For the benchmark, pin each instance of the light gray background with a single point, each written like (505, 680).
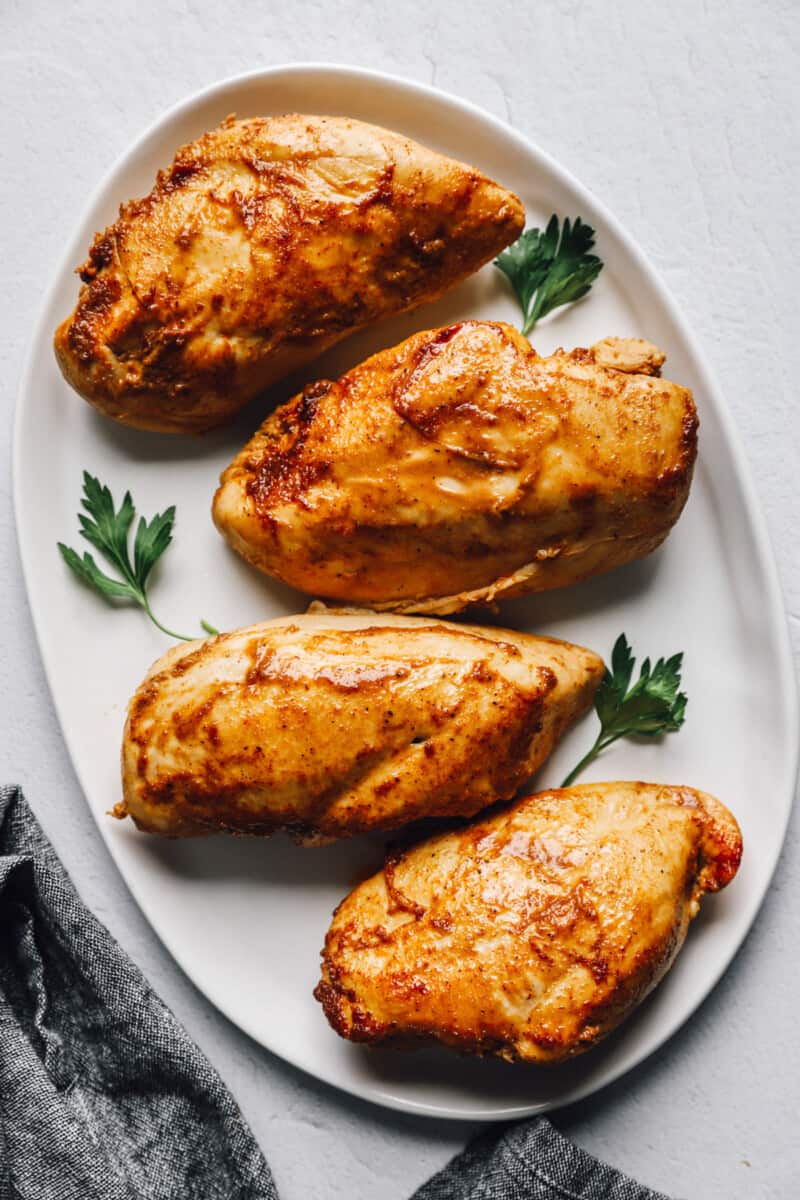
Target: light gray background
(682, 117)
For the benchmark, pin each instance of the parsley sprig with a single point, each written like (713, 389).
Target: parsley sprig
(653, 706)
(107, 529)
(550, 268)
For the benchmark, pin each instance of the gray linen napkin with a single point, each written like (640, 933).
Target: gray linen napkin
(103, 1096)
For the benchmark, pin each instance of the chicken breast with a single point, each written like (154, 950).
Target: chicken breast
(265, 242)
(327, 725)
(532, 933)
(460, 467)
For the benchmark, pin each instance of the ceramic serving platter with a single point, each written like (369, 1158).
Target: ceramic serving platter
(245, 919)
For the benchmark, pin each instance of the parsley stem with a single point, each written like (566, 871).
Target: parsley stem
(599, 745)
(181, 637)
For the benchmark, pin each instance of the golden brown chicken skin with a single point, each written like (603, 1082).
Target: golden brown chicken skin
(327, 725)
(265, 242)
(461, 467)
(532, 933)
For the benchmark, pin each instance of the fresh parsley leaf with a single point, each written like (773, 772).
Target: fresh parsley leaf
(551, 268)
(651, 707)
(107, 529)
(151, 542)
(89, 573)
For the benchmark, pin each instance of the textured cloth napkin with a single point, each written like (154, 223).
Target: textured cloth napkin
(103, 1096)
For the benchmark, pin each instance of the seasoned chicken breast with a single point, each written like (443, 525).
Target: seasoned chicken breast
(460, 467)
(327, 725)
(265, 242)
(532, 933)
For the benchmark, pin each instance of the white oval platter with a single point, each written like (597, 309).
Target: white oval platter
(245, 919)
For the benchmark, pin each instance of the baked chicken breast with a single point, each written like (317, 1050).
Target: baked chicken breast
(327, 725)
(265, 242)
(532, 933)
(461, 467)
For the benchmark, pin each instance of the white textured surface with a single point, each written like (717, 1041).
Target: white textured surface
(683, 121)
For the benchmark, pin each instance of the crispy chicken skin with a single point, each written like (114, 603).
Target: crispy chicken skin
(329, 724)
(532, 933)
(461, 467)
(265, 242)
